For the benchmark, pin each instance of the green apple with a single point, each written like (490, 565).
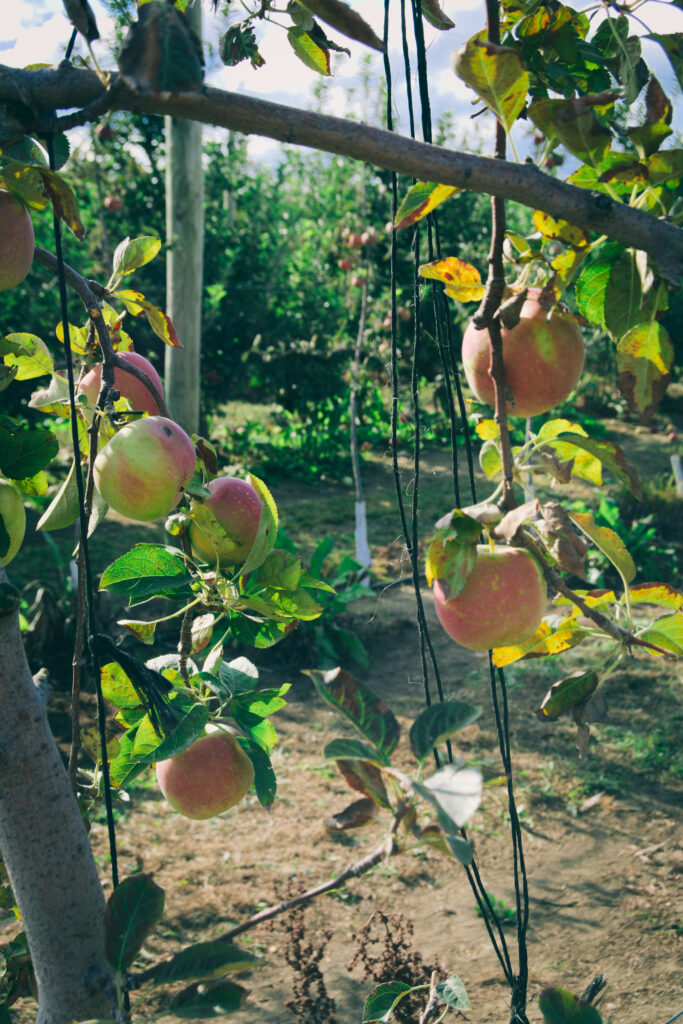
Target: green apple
(16, 241)
(502, 603)
(224, 527)
(13, 515)
(207, 778)
(142, 470)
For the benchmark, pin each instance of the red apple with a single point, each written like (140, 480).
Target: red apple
(209, 777)
(369, 237)
(16, 241)
(404, 313)
(355, 241)
(345, 263)
(13, 517)
(543, 359)
(357, 281)
(503, 601)
(386, 323)
(224, 527)
(105, 131)
(113, 203)
(143, 469)
(128, 385)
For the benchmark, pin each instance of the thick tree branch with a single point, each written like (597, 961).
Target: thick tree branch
(35, 95)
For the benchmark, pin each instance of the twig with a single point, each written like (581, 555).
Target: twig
(44, 90)
(432, 1002)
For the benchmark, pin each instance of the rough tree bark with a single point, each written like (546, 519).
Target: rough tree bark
(46, 851)
(185, 259)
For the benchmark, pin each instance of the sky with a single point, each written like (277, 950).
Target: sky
(37, 30)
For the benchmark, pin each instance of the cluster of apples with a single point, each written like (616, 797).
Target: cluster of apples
(504, 599)
(16, 256)
(356, 240)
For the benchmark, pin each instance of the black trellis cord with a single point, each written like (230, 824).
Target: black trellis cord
(83, 539)
(406, 64)
(422, 75)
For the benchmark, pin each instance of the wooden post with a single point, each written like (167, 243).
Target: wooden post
(184, 260)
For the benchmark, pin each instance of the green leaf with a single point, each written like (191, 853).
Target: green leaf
(133, 909)
(561, 1007)
(574, 123)
(266, 534)
(145, 571)
(452, 993)
(591, 287)
(645, 357)
(259, 729)
(131, 254)
(667, 632)
(381, 1001)
(281, 570)
(63, 509)
(24, 450)
(360, 705)
(140, 628)
(192, 721)
(623, 295)
(450, 562)
(566, 694)
(496, 74)
(33, 361)
(117, 687)
(203, 1000)
(309, 53)
(438, 723)
(238, 675)
(255, 632)
(125, 766)
(608, 542)
(63, 200)
(455, 792)
(265, 782)
(420, 200)
(353, 750)
(204, 960)
(490, 460)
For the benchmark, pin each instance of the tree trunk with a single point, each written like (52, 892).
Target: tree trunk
(46, 850)
(184, 262)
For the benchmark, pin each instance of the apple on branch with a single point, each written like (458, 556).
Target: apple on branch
(142, 470)
(13, 517)
(126, 384)
(543, 359)
(210, 776)
(16, 241)
(224, 527)
(502, 602)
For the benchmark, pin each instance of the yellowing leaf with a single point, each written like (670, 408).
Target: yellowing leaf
(609, 542)
(487, 430)
(312, 55)
(34, 360)
(645, 356)
(560, 229)
(160, 322)
(503, 656)
(78, 336)
(421, 199)
(496, 74)
(462, 280)
(661, 594)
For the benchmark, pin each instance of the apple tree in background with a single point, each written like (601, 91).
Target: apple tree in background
(610, 235)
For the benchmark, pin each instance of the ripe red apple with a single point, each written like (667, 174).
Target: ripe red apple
(355, 241)
(502, 602)
(13, 515)
(105, 131)
(16, 241)
(357, 281)
(209, 777)
(128, 385)
(224, 527)
(404, 313)
(386, 323)
(113, 203)
(142, 470)
(369, 237)
(345, 263)
(543, 359)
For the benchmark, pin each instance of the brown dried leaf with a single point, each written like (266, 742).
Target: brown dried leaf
(360, 812)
